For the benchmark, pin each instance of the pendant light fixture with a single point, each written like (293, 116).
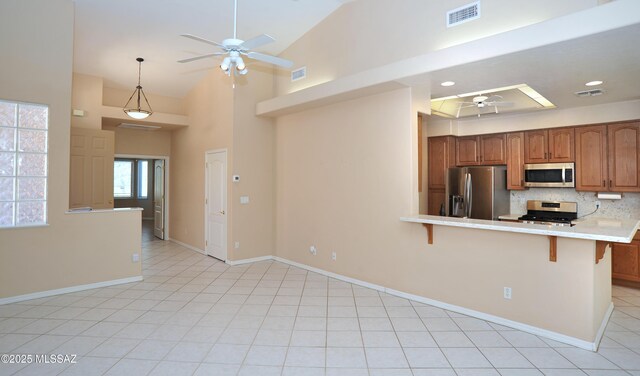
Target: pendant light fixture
(137, 112)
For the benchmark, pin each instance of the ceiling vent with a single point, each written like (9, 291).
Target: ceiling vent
(139, 126)
(299, 74)
(589, 93)
(463, 14)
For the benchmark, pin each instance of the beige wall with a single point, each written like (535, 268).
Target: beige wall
(210, 112)
(254, 160)
(140, 142)
(366, 34)
(86, 95)
(344, 178)
(73, 249)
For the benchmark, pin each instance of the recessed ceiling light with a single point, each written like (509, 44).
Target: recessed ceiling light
(594, 83)
(447, 83)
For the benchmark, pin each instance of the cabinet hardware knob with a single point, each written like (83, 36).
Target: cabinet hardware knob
(545, 155)
(549, 155)
(604, 184)
(610, 183)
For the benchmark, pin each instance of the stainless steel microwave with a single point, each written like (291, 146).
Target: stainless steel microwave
(549, 175)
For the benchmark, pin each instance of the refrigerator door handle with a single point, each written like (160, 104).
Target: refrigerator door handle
(469, 199)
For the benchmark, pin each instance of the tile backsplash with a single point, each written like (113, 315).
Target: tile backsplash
(627, 207)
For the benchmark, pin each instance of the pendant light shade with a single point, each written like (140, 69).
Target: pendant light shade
(136, 111)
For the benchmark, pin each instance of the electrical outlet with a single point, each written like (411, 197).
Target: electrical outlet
(507, 292)
(333, 256)
(313, 250)
(135, 257)
(598, 203)
(236, 245)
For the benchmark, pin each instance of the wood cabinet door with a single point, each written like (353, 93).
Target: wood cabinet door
(561, 145)
(591, 158)
(492, 149)
(467, 151)
(535, 146)
(515, 160)
(436, 199)
(624, 157)
(438, 161)
(625, 261)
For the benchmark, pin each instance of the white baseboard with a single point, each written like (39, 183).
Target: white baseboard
(66, 290)
(188, 246)
(249, 260)
(603, 326)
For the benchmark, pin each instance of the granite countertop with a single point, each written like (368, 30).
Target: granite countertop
(591, 228)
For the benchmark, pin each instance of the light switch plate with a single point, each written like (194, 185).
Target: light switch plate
(244, 199)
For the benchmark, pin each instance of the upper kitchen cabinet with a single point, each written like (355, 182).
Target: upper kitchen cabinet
(624, 157)
(607, 158)
(550, 145)
(481, 150)
(467, 151)
(492, 149)
(591, 158)
(515, 160)
(441, 157)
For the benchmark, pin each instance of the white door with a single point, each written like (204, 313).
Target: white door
(158, 198)
(216, 205)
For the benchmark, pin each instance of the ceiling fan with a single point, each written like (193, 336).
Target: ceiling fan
(483, 101)
(235, 48)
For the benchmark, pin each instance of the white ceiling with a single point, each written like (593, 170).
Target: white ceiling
(110, 34)
(557, 71)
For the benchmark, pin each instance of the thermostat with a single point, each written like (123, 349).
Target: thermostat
(236, 178)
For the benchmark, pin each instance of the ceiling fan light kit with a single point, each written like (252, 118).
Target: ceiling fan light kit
(235, 48)
(138, 112)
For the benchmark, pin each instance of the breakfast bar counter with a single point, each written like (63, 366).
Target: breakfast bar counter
(601, 229)
(556, 280)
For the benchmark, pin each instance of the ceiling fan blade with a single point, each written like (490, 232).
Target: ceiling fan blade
(501, 104)
(203, 40)
(256, 42)
(200, 57)
(270, 59)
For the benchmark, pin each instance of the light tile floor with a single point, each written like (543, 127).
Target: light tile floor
(194, 315)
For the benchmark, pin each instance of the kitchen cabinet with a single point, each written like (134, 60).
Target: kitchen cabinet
(591, 158)
(625, 260)
(467, 151)
(624, 157)
(442, 155)
(492, 149)
(515, 161)
(436, 199)
(481, 150)
(550, 145)
(607, 158)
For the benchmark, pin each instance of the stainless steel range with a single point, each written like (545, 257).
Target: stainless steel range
(554, 213)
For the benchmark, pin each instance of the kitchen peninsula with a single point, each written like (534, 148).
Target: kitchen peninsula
(559, 277)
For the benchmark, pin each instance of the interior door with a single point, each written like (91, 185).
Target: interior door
(216, 205)
(91, 168)
(158, 198)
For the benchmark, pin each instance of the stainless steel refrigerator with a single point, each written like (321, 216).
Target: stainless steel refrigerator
(478, 192)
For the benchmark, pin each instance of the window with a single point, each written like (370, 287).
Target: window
(123, 179)
(131, 179)
(23, 163)
(143, 181)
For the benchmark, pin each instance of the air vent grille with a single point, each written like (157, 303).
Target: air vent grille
(589, 93)
(139, 126)
(463, 14)
(299, 74)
